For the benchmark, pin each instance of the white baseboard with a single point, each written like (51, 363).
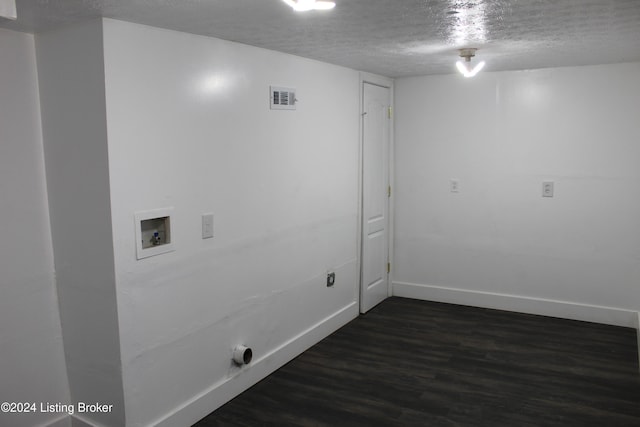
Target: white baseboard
(222, 392)
(70, 421)
(78, 422)
(544, 307)
(64, 421)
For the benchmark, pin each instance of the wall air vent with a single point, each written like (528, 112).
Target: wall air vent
(282, 98)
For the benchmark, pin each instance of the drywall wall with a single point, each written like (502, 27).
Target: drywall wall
(32, 367)
(71, 78)
(498, 242)
(190, 128)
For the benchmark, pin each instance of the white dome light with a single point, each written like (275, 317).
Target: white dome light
(305, 5)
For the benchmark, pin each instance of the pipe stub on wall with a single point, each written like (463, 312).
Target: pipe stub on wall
(242, 355)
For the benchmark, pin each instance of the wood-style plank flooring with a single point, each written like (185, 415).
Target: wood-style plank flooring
(417, 363)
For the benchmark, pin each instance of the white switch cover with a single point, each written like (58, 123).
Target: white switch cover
(207, 226)
(547, 189)
(454, 185)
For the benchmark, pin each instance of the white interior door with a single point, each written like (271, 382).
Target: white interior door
(374, 282)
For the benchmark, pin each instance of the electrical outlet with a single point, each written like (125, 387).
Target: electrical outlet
(207, 226)
(547, 189)
(331, 279)
(454, 185)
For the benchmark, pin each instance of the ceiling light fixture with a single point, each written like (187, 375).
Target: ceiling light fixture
(465, 67)
(305, 5)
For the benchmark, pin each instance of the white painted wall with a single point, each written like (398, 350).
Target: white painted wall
(190, 127)
(498, 242)
(71, 77)
(32, 367)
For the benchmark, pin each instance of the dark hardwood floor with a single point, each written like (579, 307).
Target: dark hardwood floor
(416, 363)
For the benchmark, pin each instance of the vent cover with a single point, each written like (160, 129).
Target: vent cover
(282, 98)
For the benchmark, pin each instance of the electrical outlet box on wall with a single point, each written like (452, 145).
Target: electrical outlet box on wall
(153, 232)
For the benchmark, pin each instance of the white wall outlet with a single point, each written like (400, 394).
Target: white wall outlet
(547, 189)
(207, 226)
(454, 185)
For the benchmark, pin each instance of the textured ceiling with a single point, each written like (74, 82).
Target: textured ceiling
(389, 37)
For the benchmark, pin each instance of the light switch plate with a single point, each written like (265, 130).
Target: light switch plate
(207, 226)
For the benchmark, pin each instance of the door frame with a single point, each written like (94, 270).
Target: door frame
(386, 83)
